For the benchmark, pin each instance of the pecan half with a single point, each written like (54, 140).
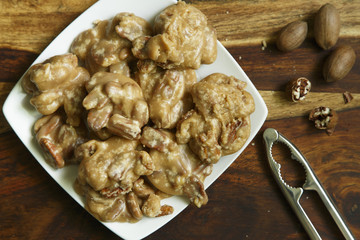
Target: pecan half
(125, 127)
(195, 191)
(58, 139)
(141, 189)
(133, 205)
(324, 118)
(298, 88)
(233, 127)
(157, 139)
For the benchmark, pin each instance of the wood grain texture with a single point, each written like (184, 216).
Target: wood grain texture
(5, 88)
(280, 107)
(37, 22)
(250, 22)
(237, 22)
(245, 202)
(270, 69)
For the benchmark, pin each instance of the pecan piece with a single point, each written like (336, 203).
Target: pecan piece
(347, 97)
(52, 153)
(57, 139)
(141, 189)
(157, 139)
(165, 210)
(234, 135)
(324, 118)
(133, 205)
(232, 128)
(151, 206)
(110, 193)
(298, 88)
(195, 191)
(125, 127)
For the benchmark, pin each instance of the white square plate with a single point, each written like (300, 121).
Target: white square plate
(21, 115)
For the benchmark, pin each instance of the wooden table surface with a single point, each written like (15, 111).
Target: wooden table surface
(245, 202)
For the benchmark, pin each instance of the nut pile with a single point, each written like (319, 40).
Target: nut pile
(337, 65)
(126, 106)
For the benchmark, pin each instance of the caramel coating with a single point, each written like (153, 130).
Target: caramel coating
(105, 53)
(177, 169)
(129, 26)
(222, 97)
(110, 178)
(166, 91)
(109, 42)
(58, 139)
(201, 134)
(121, 179)
(56, 82)
(108, 209)
(83, 42)
(183, 39)
(112, 166)
(115, 103)
(220, 123)
(127, 207)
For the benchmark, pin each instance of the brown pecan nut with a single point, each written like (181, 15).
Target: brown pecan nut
(297, 89)
(324, 118)
(339, 63)
(327, 26)
(292, 36)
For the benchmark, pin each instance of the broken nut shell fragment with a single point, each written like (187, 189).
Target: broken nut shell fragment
(324, 118)
(297, 89)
